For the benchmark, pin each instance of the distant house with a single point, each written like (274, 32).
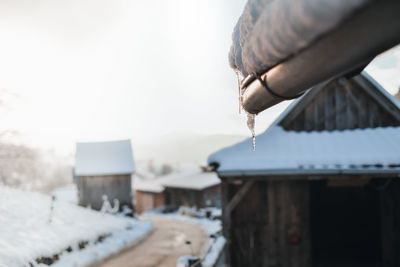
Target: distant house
(196, 188)
(199, 189)
(149, 195)
(104, 168)
(322, 187)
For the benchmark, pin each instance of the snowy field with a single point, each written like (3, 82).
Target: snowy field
(29, 230)
(66, 194)
(214, 246)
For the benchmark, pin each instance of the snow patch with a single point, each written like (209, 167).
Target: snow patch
(26, 234)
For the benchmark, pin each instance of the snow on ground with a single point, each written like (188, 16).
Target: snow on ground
(214, 246)
(66, 194)
(26, 232)
(110, 246)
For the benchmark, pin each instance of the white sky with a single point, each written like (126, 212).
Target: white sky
(88, 70)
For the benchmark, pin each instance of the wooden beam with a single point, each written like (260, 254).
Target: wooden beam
(238, 197)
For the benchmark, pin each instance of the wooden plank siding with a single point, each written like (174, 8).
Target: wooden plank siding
(148, 200)
(176, 197)
(264, 222)
(276, 222)
(92, 189)
(341, 104)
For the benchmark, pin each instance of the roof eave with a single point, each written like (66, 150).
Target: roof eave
(349, 47)
(309, 172)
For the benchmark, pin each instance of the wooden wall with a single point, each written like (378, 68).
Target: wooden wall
(148, 200)
(177, 197)
(212, 196)
(92, 188)
(269, 227)
(342, 104)
(390, 210)
(276, 222)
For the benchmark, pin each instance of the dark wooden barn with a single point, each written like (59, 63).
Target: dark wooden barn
(322, 187)
(190, 189)
(199, 189)
(104, 169)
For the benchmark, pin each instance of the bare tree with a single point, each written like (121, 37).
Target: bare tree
(22, 166)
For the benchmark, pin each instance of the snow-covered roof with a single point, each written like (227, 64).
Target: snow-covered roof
(152, 186)
(269, 32)
(280, 152)
(287, 152)
(104, 158)
(195, 180)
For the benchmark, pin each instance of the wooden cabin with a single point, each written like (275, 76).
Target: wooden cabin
(322, 187)
(149, 195)
(104, 168)
(199, 189)
(191, 189)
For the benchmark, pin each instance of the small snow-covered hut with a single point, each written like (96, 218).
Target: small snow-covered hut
(149, 195)
(190, 188)
(104, 168)
(322, 187)
(199, 189)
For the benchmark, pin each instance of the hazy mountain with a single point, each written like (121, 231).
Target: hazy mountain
(184, 148)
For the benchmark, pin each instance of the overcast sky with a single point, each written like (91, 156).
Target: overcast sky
(89, 70)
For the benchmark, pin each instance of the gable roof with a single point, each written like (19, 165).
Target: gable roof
(104, 158)
(341, 104)
(283, 152)
(280, 152)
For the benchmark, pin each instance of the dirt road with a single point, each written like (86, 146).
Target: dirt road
(163, 247)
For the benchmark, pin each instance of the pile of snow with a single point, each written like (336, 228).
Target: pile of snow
(110, 246)
(27, 234)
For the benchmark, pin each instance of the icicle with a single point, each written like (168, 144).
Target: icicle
(240, 99)
(251, 118)
(251, 121)
(240, 78)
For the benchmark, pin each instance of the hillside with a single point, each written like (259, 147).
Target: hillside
(32, 233)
